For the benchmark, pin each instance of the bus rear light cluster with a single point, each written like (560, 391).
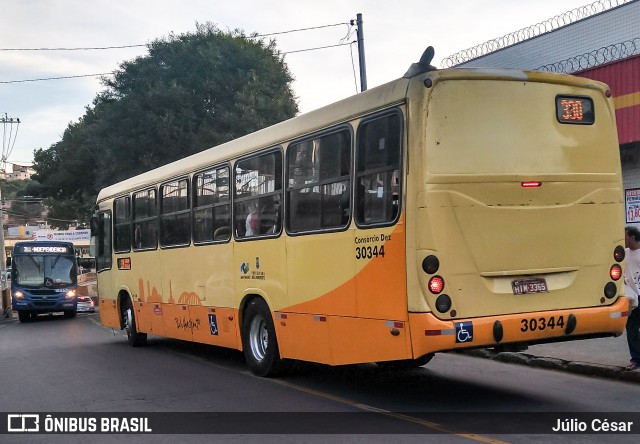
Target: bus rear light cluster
(615, 273)
(431, 265)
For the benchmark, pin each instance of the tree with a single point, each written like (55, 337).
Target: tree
(191, 92)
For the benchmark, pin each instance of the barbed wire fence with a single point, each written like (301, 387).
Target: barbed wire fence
(532, 31)
(597, 57)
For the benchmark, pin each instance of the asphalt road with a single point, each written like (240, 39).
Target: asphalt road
(75, 367)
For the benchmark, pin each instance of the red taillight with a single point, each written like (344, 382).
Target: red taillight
(436, 285)
(619, 253)
(531, 184)
(615, 272)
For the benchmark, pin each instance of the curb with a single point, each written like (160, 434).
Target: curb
(577, 367)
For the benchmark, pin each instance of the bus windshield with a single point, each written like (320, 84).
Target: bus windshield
(44, 271)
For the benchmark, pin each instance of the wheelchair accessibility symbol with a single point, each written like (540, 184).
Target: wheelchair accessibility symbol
(464, 332)
(213, 326)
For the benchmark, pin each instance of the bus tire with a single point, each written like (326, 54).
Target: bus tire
(259, 342)
(134, 338)
(24, 316)
(70, 314)
(406, 364)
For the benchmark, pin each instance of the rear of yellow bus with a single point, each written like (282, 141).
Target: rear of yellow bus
(515, 209)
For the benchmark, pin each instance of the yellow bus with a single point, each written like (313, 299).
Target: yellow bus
(448, 209)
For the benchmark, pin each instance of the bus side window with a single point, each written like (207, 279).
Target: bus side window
(122, 224)
(318, 182)
(145, 220)
(258, 193)
(103, 256)
(378, 160)
(211, 206)
(175, 213)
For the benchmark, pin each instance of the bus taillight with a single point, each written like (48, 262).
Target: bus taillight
(443, 303)
(436, 285)
(618, 253)
(615, 272)
(430, 264)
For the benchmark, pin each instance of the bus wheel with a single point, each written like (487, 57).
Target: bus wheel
(259, 340)
(406, 364)
(24, 316)
(70, 314)
(134, 338)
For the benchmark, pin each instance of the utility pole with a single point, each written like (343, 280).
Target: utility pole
(7, 147)
(7, 142)
(363, 67)
(4, 287)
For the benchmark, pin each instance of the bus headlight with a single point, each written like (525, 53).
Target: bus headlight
(70, 294)
(18, 294)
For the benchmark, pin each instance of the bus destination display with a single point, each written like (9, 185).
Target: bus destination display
(576, 110)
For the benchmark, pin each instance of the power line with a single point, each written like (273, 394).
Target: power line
(141, 45)
(57, 78)
(315, 49)
(113, 72)
(72, 49)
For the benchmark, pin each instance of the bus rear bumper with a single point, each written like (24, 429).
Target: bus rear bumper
(430, 334)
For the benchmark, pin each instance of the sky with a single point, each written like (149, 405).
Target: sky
(395, 35)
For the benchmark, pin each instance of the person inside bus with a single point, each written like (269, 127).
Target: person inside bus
(251, 224)
(631, 284)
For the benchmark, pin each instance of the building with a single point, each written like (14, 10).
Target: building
(600, 41)
(20, 172)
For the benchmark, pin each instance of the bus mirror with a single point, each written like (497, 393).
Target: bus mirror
(94, 225)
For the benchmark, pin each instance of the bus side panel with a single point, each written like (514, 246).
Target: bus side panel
(149, 318)
(177, 321)
(109, 314)
(355, 340)
(107, 302)
(381, 272)
(320, 274)
(292, 327)
(260, 269)
(338, 340)
(375, 289)
(143, 317)
(215, 326)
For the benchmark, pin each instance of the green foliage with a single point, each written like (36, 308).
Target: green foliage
(191, 92)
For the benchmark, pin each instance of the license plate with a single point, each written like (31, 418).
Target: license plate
(528, 286)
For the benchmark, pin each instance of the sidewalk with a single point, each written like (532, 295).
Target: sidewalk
(602, 357)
